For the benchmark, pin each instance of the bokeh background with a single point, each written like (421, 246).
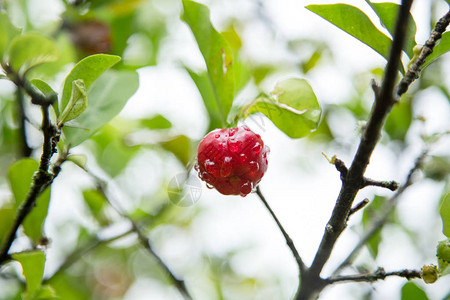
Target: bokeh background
(228, 247)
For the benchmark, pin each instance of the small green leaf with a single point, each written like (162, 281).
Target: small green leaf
(441, 48)
(33, 268)
(78, 102)
(156, 122)
(388, 13)
(95, 201)
(48, 92)
(217, 55)
(8, 32)
(20, 176)
(293, 107)
(445, 214)
(29, 50)
(181, 147)
(443, 255)
(399, 120)
(46, 292)
(410, 291)
(353, 21)
(7, 214)
(78, 159)
(369, 214)
(107, 97)
(88, 69)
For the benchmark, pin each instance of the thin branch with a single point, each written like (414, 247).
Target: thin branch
(378, 275)
(390, 185)
(302, 267)
(414, 71)
(378, 223)
(145, 242)
(384, 101)
(41, 179)
(82, 251)
(358, 207)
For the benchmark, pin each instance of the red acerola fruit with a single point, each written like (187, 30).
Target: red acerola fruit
(232, 160)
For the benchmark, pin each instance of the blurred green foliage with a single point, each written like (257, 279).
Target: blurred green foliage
(104, 43)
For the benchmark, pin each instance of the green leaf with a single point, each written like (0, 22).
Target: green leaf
(20, 177)
(410, 291)
(95, 201)
(78, 102)
(388, 12)
(369, 214)
(206, 91)
(445, 214)
(7, 214)
(33, 268)
(48, 92)
(88, 69)
(156, 122)
(441, 48)
(293, 107)
(44, 88)
(46, 292)
(399, 120)
(78, 159)
(181, 147)
(107, 98)
(353, 21)
(29, 50)
(443, 255)
(8, 32)
(217, 55)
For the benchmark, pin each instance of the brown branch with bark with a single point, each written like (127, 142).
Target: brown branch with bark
(43, 177)
(353, 179)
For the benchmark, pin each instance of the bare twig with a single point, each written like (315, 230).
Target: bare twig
(384, 101)
(390, 185)
(41, 179)
(414, 71)
(82, 251)
(378, 223)
(289, 242)
(377, 275)
(358, 207)
(145, 242)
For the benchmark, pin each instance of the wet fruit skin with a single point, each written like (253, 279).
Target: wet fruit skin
(232, 160)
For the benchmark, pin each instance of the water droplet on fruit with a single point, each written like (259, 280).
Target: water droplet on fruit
(211, 167)
(246, 128)
(257, 148)
(196, 167)
(234, 146)
(246, 188)
(232, 131)
(242, 157)
(227, 167)
(253, 166)
(217, 136)
(209, 186)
